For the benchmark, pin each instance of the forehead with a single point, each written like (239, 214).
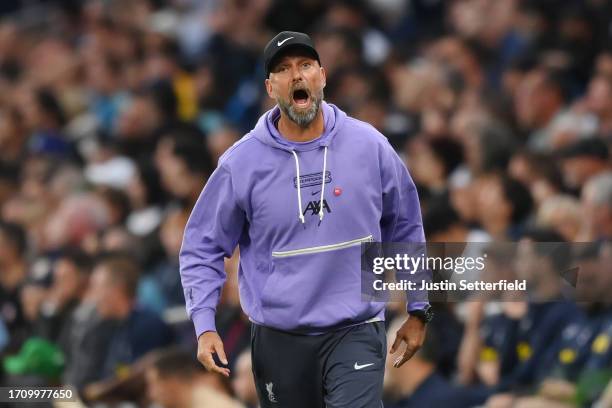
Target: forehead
(292, 54)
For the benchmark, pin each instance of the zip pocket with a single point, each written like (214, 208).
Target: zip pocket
(314, 287)
(322, 248)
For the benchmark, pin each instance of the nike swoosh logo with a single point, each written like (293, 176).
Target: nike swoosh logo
(282, 42)
(359, 367)
(315, 193)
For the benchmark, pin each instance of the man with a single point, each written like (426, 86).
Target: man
(137, 330)
(596, 203)
(13, 274)
(243, 384)
(71, 274)
(176, 380)
(299, 193)
(106, 339)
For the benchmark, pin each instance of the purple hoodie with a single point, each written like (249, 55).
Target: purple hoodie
(300, 261)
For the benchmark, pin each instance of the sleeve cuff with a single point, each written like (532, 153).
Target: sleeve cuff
(412, 306)
(203, 321)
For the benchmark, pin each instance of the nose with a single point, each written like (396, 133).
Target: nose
(296, 74)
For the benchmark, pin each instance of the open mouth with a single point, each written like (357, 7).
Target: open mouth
(301, 97)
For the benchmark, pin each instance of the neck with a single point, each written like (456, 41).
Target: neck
(295, 133)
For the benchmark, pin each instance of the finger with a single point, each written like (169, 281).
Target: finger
(207, 360)
(223, 371)
(400, 361)
(396, 344)
(408, 353)
(220, 352)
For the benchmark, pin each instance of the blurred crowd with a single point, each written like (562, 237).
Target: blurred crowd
(113, 113)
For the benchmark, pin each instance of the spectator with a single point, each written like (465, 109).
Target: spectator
(142, 121)
(540, 172)
(137, 331)
(598, 102)
(563, 214)
(107, 98)
(581, 354)
(416, 383)
(583, 160)
(12, 137)
(76, 218)
(13, 273)
(117, 205)
(597, 206)
(189, 162)
(70, 280)
(432, 162)
(443, 224)
(146, 200)
(243, 383)
(539, 100)
(531, 328)
(505, 204)
(177, 380)
(162, 288)
(45, 118)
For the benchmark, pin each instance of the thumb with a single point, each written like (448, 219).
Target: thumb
(396, 344)
(220, 351)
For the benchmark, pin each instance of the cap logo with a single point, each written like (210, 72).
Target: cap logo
(279, 43)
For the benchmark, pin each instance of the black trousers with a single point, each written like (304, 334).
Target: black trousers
(339, 369)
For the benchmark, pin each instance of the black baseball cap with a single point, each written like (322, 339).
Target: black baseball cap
(284, 41)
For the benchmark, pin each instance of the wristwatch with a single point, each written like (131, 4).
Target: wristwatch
(425, 315)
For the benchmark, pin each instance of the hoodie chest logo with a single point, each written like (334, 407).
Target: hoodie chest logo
(314, 179)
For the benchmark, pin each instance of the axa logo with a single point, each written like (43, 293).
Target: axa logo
(315, 206)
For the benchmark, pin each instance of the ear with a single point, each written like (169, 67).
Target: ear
(269, 88)
(324, 76)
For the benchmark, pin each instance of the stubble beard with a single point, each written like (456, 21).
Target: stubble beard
(302, 118)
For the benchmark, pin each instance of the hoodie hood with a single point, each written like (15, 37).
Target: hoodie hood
(266, 131)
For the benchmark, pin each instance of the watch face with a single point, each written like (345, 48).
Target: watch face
(425, 315)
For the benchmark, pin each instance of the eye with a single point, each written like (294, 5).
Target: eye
(281, 68)
(306, 64)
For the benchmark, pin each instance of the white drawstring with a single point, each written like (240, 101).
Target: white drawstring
(321, 212)
(299, 193)
(299, 186)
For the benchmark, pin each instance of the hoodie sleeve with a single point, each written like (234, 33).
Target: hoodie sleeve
(212, 233)
(401, 213)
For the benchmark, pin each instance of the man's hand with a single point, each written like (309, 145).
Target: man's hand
(412, 333)
(209, 343)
